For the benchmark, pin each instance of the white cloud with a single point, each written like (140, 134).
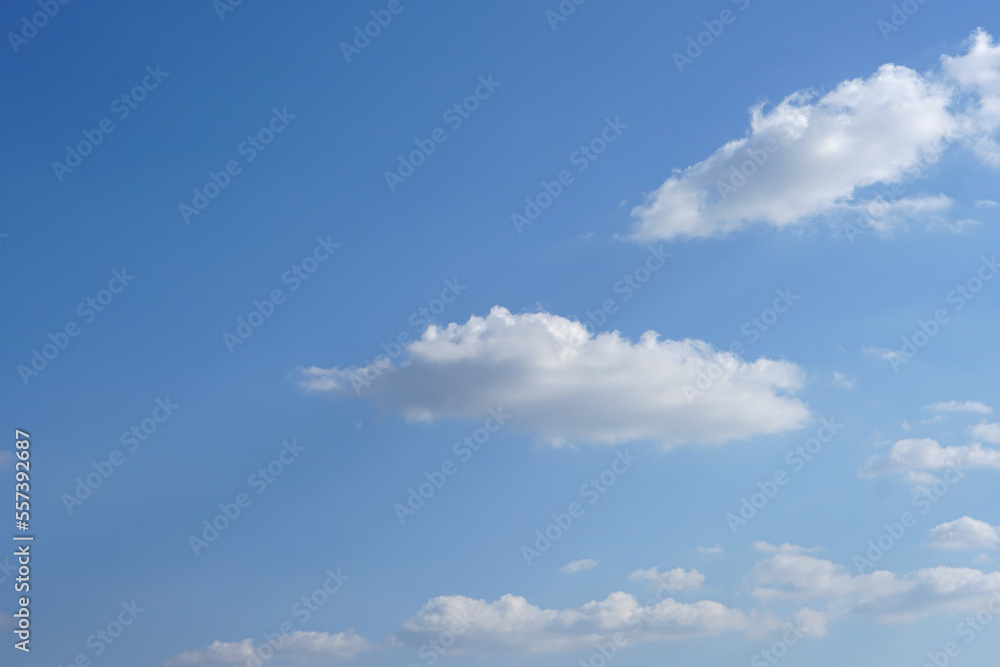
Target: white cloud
(558, 380)
(956, 406)
(581, 565)
(710, 550)
(512, 624)
(964, 534)
(978, 76)
(882, 353)
(923, 454)
(677, 579)
(987, 203)
(983, 432)
(299, 645)
(768, 548)
(6, 459)
(842, 380)
(881, 595)
(815, 155)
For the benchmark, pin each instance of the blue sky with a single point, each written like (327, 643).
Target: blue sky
(713, 316)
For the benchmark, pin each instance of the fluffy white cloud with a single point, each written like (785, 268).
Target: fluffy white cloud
(815, 155)
(978, 76)
(558, 380)
(923, 454)
(964, 534)
(299, 645)
(881, 595)
(512, 624)
(960, 406)
(677, 579)
(581, 565)
(983, 432)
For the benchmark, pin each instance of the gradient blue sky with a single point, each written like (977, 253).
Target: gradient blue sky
(323, 177)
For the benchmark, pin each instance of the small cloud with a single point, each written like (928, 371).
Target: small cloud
(842, 380)
(576, 566)
(906, 425)
(6, 459)
(786, 548)
(982, 558)
(883, 353)
(710, 550)
(585, 237)
(987, 203)
(965, 534)
(957, 227)
(956, 406)
(677, 579)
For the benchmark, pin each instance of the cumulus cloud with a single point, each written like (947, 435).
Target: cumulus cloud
(960, 406)
(297, 646)
(924, 454)
(964, 534)
(581, 565)
(560, 381)
(512, 624)
(813, 155)
(677, 579)
(881, 595)
(984, 432)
